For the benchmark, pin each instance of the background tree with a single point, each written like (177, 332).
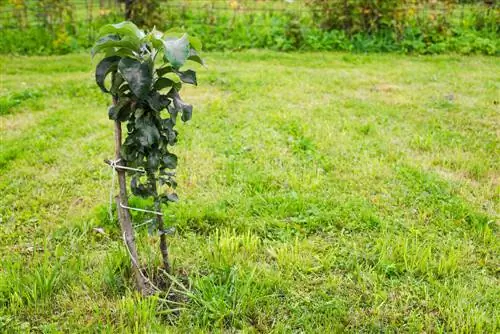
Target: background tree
(144, 12)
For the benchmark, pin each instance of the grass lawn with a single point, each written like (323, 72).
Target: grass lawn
(319, 192)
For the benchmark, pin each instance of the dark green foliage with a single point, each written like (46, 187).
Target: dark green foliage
(136, 89)
(107, 65)
(138, 75)
(356, 16)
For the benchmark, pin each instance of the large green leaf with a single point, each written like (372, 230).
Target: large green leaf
(157, 101)
(193, 56)
(169, 161)
(163, 83)
(173, 111)
(104, 42)
(168, 129)
(164, 70)
(138, 75)
(116, 82)
(195, 43)
(153, 160)
(124, 29)
(174, 32)
(141, 189)
(148, 133)
(119, 51)
(188, 76)
(181, 106)
(120, 111)
(169, 197)
(105, 66)
(177, 51)
(172, 197)
(115, 45)
(131, 151)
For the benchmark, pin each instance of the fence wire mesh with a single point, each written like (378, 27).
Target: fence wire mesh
(19, 14)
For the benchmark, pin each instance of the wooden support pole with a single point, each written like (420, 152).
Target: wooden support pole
(124, 214)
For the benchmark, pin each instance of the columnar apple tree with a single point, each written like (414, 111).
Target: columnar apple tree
(146, 75)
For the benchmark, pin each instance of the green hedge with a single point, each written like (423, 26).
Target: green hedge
(473, 31)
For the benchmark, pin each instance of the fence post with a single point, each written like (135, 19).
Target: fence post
(128, 9)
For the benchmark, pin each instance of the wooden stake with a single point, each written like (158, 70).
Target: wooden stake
(124, 214)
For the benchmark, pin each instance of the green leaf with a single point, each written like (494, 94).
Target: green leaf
(188, 76)
(125, 29)
(147, 132)
(124, 88)
(137, 114)
(115, 45)
(169, 161)
(138, 76)
(169, 197)
(173, 111)
(168, 130)
(131, 150)
(164, 70)
(173, 76)
(172, 33)
(116, 82)
(153, 160)
(177, 51)
(140, 189)
(172, 197)
(180, 105)
(174, 81)
(155, 37)
(157, 101)
(118, 51)
(168, 180)
(195, 43)
(187, 113)
(175, 32)
(193, 56)
(121, 111)
(104, 42)
(104, 67)
(163, 83)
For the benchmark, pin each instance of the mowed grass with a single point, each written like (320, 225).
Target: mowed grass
(320, 192)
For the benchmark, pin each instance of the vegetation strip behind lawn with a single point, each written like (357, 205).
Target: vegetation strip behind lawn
(318, 191)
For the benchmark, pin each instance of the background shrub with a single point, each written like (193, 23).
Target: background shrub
(409, 26)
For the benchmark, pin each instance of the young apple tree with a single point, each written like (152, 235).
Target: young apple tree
(146, 77)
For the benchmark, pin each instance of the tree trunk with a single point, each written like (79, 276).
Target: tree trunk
(124, 214)
(163, 239)
(128, 9)
(161, 228)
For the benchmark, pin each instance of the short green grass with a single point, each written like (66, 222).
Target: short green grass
(319, 192)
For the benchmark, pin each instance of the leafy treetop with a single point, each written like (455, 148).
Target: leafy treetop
(146, 78)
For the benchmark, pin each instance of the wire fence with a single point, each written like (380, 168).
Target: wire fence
(22, 14)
